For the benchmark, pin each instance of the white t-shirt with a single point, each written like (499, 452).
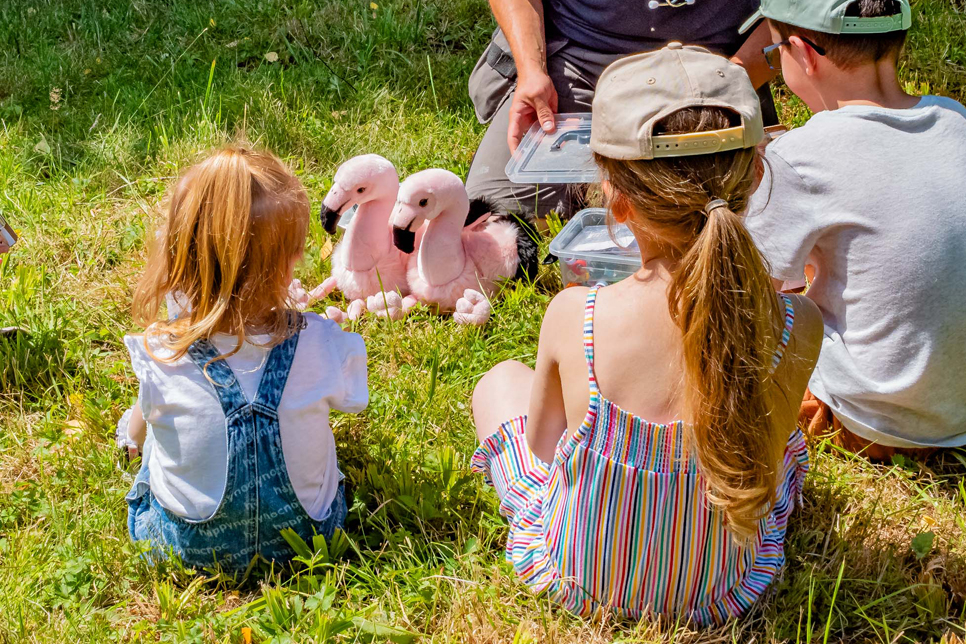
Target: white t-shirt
(875, 197)
(187, 443)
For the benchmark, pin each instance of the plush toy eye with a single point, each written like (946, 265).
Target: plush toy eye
(361, 190)
(423, 202)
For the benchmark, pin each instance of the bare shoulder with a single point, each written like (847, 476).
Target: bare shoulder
(803, 348)
(566, 303)
(809, 328)
(793, 372)
(564, 316)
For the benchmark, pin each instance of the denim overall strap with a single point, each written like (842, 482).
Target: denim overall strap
(275, 376)
(278, 505)
(204, 355)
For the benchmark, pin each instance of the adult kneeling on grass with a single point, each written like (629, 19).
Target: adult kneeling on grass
(546, 58)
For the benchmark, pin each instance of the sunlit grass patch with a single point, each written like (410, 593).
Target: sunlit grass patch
(142, 90)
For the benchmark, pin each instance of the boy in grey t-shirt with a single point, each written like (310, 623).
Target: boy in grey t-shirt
(869, 193)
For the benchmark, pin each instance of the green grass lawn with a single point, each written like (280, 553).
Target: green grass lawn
(102, 103)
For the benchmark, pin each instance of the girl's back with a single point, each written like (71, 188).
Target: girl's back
(624, 521)
(639, 362)
(651, 459)
(187, 447)
(634, 336)
(236, 391)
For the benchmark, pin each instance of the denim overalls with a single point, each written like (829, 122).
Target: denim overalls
(259, 500)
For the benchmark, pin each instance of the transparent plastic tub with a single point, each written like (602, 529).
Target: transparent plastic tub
(561, 157)
(591, 253)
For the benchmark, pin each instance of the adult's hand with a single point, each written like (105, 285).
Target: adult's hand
(535, 97)
(534, 100)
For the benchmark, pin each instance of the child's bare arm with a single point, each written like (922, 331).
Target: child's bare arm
(137, 429)
(547, 420)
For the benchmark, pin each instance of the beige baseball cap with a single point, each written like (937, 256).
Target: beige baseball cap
(636, 92)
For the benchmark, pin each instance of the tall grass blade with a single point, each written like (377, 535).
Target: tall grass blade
(211, 78)
(831, 609)
(432, 83)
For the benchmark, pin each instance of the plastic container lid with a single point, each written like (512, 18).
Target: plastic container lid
(561, 157)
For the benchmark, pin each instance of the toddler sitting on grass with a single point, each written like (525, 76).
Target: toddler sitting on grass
(870, 193)
(650, 463)
(235, 393)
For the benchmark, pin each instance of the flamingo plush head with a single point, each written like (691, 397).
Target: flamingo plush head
(359, 180)
(426, 196)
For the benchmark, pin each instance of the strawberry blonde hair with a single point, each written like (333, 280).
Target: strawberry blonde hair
(235, 223)
(721, 297)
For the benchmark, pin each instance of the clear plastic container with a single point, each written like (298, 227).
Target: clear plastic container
(561, 157)
(590, 252)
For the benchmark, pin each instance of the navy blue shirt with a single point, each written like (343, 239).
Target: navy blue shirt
(627, 27)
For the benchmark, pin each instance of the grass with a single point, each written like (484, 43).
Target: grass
(101, 104)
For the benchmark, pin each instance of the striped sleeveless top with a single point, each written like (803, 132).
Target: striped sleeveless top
(620, 519)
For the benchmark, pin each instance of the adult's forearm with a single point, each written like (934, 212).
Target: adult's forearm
(522, 24)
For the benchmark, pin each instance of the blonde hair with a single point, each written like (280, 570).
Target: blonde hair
(235, 223)
(722, 298)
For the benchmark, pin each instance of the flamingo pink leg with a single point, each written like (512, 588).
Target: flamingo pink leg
(390, 305)
(472, 309)
(356, 309)
(324, 289)
(336, 315)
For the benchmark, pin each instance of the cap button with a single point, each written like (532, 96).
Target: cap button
(675, 45)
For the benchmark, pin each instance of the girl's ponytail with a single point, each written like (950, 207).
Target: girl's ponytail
(721, 297)
(724, 302)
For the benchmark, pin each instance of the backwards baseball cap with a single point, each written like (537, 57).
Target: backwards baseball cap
(828, 16)
(638, 91)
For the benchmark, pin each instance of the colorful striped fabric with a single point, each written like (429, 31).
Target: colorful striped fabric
(620, 519)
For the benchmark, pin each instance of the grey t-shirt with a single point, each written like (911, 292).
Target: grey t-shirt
(874, 198)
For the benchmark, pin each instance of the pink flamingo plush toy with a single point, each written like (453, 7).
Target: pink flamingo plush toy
(366, 254)
(457, 269)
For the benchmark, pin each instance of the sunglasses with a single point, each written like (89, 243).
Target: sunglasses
(773, 55)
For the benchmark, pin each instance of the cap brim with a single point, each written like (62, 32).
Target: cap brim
(751, 22)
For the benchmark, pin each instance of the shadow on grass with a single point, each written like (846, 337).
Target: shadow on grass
(866, 559)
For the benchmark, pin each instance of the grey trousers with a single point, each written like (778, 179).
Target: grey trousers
(574, 72)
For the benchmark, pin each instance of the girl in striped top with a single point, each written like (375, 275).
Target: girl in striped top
(671, 490)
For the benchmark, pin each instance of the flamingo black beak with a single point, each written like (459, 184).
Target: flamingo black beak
(404, 239)
(330, 219)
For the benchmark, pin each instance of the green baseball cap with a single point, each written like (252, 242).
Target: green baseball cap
(828, 16)
(637, 91)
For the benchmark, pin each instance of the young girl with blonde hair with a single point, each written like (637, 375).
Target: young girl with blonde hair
(235, 392)
(671, 490)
